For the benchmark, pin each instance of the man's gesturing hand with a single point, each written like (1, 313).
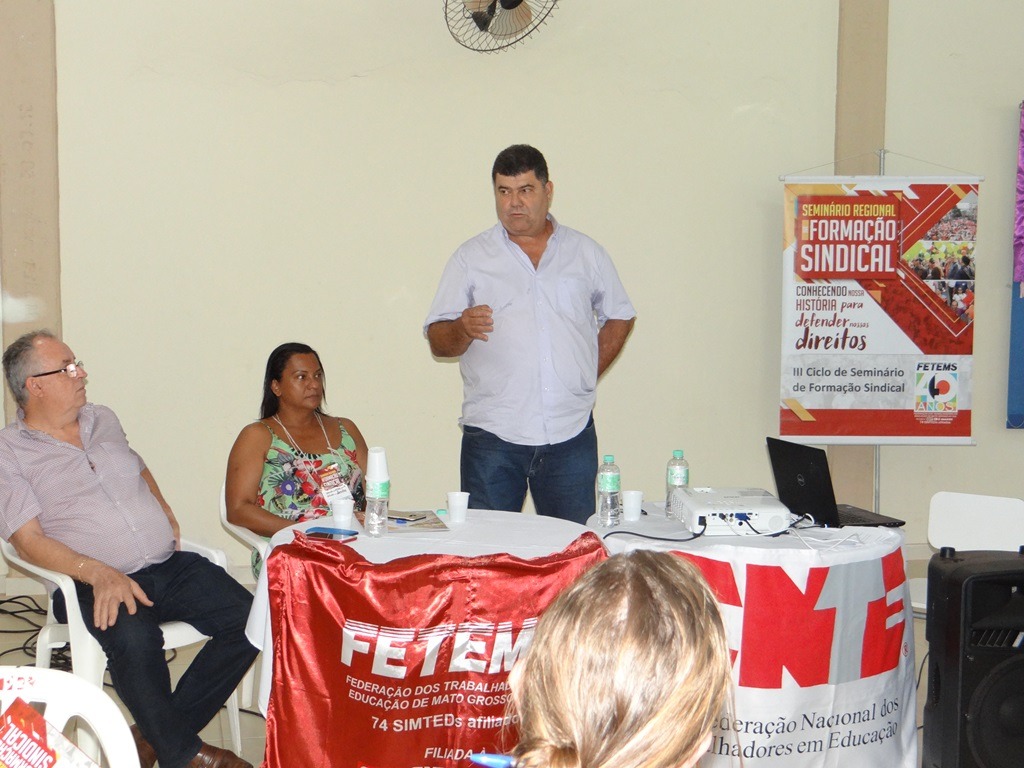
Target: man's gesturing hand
(477, 322)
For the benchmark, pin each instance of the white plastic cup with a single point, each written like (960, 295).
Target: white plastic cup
(458, 503)
(342, 510)
(377, 465)
(631, 503)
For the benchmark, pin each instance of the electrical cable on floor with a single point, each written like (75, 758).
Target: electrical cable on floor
(25, 608)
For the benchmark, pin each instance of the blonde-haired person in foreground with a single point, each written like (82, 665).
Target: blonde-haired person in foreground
(629, 668)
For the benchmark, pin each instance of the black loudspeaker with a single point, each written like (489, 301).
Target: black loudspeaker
(974, 713)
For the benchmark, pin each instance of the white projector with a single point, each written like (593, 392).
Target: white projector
(734, 512)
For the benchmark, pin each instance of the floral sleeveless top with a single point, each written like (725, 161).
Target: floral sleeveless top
(290, 486)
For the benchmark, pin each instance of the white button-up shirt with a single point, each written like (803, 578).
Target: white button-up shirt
(534, 381)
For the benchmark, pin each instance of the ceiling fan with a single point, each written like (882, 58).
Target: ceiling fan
(492, 25)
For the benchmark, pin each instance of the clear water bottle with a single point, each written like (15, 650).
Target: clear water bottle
(609, 497)
(377, 494)
(677, 478)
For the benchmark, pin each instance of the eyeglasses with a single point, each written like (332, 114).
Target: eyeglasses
(73, 371)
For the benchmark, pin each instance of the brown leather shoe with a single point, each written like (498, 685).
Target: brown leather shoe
(215, 757)
(147, 755)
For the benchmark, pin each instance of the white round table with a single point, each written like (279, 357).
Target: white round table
(484, 532)
(821, 629)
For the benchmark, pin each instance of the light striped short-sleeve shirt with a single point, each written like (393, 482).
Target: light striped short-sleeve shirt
(92, 499)
(534, 381)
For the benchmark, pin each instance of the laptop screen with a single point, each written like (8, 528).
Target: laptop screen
(803, 481)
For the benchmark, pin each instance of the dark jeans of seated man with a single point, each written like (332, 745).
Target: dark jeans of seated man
(185, 587)
(560, 476)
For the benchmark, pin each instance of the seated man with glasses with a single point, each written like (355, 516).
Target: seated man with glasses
(75, 498)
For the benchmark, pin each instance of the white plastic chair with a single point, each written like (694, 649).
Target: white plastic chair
(67, 696)
(262, 546)
(244, 535)
(968, 521)
(87, 658)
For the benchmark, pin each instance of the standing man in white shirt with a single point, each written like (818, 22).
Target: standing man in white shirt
(535, 312)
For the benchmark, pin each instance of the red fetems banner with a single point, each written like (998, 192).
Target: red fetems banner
(402, 664)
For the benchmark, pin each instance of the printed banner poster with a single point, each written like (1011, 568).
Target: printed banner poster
(401, 664)
(1015, 383)
(823, 655)
(878, 296)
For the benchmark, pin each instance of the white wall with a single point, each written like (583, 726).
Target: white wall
(238, 174)
(953, 93)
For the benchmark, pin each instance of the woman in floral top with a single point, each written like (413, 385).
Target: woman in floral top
(274, 469)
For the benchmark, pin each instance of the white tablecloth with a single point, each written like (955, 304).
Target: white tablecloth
(484, 532)
(836, 545)
(820, 624)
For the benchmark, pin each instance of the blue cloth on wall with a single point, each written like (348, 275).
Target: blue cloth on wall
(1015, 394)
(1015, 390)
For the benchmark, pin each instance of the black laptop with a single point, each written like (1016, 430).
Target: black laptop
(804, 484)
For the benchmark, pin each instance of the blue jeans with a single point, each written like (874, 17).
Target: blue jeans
(560, 477)
(185, 587)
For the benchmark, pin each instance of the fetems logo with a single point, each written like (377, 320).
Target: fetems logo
(936, 388)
